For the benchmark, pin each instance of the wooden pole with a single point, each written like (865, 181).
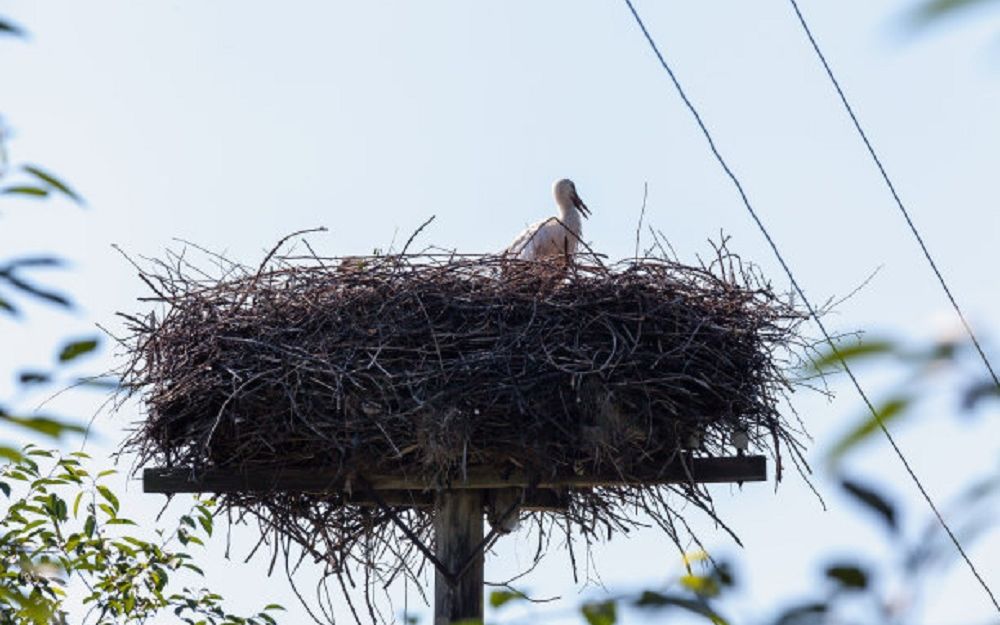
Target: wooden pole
(458, 531)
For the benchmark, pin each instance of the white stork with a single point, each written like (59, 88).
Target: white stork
(555, 237)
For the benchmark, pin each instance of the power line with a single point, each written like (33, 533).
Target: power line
(895, 195)
(808, 304)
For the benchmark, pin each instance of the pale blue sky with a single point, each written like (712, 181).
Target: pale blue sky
(233, 123)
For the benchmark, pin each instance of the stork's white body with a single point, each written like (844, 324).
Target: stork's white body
(555, 237)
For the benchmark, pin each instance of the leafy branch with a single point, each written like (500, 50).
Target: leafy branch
(66, 526)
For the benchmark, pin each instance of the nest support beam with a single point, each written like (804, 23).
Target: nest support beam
(412, 491)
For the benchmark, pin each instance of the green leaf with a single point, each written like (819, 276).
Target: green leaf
(34, 291)
(9, 453)
(986, 389)
(848, 576)
(206, 524)
(75, 349)
(54, 182)
(873, 501)
(932, 10)
(90, 525)
(602, 613)
(72, 542)
(869, 425)
(655, 600)
(806, 614)
(44, 425)
(5, 487)
(25, 190)
(34, 261)
(194, 568)
(723, 574)
(33, 377)
(500, 597)
(8, 308)
(160, 577)
(850, 353)
(11, 29)
(57, 507)
(109, 496)
(76, 503)
(701, 585)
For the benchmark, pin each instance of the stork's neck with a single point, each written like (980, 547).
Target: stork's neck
(569, 214)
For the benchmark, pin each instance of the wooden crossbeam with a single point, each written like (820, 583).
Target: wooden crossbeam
(403, 490)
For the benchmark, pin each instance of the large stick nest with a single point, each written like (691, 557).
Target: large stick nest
(426, 366)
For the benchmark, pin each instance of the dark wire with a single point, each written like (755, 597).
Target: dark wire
(895, 195)
(809, 306)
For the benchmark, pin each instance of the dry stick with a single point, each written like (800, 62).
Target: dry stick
(281, 242)
(415, 234)
(270, 255)
(642, 213)
(419, 544)
(487, 540)
(347, 595)
(222, 409)
(295, 590)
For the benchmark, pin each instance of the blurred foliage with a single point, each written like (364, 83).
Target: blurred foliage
(12, 276)
(873, 501)
(693, 593)
(944, 371)
(929, 11)
(34, 182)
(918, 368)
(9, 28)
(44, 426)
(18, 284)
(64, 536)
(69, 553)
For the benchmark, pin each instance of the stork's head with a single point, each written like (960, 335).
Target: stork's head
(566, 195)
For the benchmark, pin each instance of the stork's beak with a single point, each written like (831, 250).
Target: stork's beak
(580, 206)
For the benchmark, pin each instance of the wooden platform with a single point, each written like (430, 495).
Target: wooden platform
(402, 488)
